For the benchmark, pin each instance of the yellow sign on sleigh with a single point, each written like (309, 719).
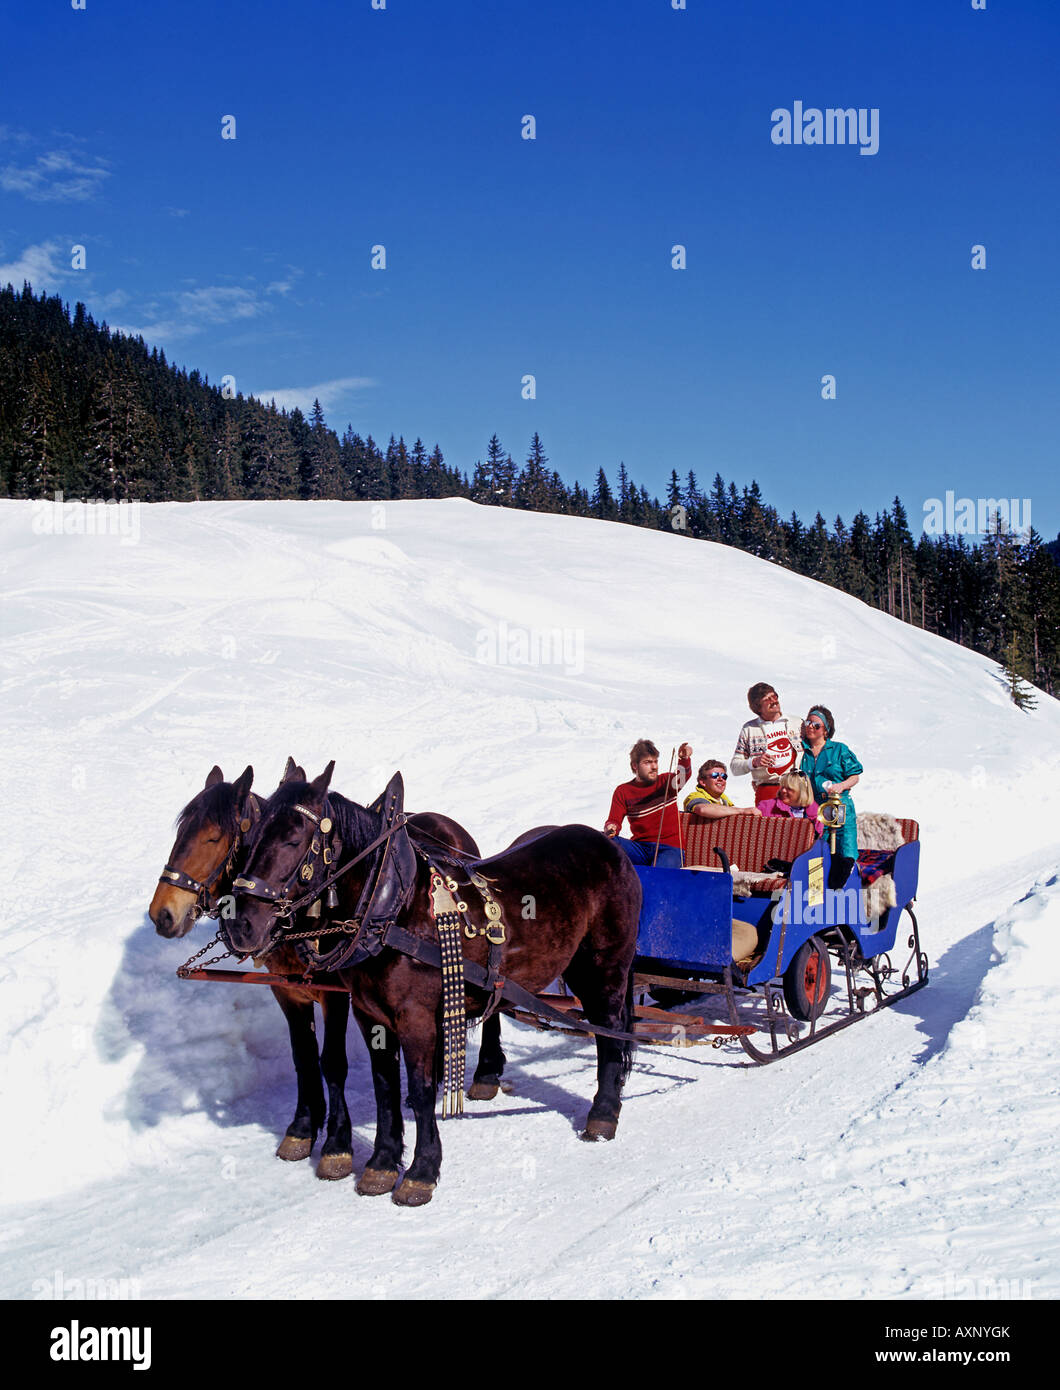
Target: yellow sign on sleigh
(815, 883)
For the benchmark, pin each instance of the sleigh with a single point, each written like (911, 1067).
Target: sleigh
(785, 941)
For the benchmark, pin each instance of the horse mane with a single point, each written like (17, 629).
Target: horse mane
(216, 804)
(355, 824)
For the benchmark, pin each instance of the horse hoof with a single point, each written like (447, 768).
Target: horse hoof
(599, 1129)
(335, 1166)
(293, 1149)
(483, 1090)
(413, 1194)
(373, 1182)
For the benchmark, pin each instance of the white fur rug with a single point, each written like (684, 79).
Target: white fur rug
(878, 831)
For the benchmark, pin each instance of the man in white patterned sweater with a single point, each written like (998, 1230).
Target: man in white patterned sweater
(768, 745)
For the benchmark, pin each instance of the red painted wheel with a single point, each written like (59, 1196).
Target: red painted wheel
(807, 981)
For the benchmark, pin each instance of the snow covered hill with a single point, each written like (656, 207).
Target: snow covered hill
(505, 662)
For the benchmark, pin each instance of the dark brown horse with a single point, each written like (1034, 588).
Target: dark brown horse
(206, 856)
(585, 904)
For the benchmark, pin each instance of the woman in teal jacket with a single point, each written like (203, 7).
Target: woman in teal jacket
(831, 767)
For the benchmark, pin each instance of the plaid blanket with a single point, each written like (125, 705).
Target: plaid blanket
(874, 863)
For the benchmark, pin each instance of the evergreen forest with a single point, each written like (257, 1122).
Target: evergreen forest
(96, 414)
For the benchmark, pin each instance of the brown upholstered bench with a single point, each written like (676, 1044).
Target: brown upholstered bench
(749, 842)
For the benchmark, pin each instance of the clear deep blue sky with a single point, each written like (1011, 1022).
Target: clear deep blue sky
(552, 257)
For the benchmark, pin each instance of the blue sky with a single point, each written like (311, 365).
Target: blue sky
(551, 257)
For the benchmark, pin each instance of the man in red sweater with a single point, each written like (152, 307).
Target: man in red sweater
(650, 800)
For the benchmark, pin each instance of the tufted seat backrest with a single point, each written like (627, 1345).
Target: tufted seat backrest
(748, 841)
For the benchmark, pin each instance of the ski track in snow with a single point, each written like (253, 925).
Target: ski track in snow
(907, 1157)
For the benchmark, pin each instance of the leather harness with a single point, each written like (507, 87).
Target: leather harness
(388, 890)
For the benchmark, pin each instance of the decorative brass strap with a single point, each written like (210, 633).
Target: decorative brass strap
(448, 919)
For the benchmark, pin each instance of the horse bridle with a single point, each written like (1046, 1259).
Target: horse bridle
(204, 891)
(326, 849)
(321, 848)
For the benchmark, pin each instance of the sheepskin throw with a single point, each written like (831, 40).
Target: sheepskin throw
(878, 831)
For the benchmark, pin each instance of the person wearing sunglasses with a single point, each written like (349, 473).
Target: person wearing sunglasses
(832, 769)
(768, 745)
(709, 799)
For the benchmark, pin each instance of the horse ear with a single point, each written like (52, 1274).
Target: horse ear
(243, 785)
(216, 775)
(292, 772)
(320, 784)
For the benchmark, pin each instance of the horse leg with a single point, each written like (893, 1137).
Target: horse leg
(381, 1172)
(336, 1156)
(608, 1002)
(420, 1048)
(491, 1059)
(310, 1113)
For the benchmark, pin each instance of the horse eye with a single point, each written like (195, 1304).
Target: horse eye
(213, 839)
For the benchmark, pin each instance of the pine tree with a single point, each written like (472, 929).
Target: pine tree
(1018, 689)
(225, 473)
(36, 471)
(603, 503)
(1039, 583)
(625, 512)
(818, 552)
(438, 481)
(673, 491)
(420, 481)
(532, 488)
(321, 470)
(399, 469)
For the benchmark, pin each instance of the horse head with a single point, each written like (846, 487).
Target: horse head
(209, 832)
(292, 846)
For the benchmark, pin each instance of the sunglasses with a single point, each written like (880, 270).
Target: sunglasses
(718, 776)
(812, 724)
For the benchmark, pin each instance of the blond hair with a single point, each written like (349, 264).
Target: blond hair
(798, 783)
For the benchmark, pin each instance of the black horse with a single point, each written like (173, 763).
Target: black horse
(210, 845)
(585, 905)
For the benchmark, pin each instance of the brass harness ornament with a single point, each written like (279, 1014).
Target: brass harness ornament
(450, 913)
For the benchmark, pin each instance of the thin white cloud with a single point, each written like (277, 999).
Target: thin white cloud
(326, 392)
(54, 177)
(218, 304)
(187, 312)
(107, 303)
